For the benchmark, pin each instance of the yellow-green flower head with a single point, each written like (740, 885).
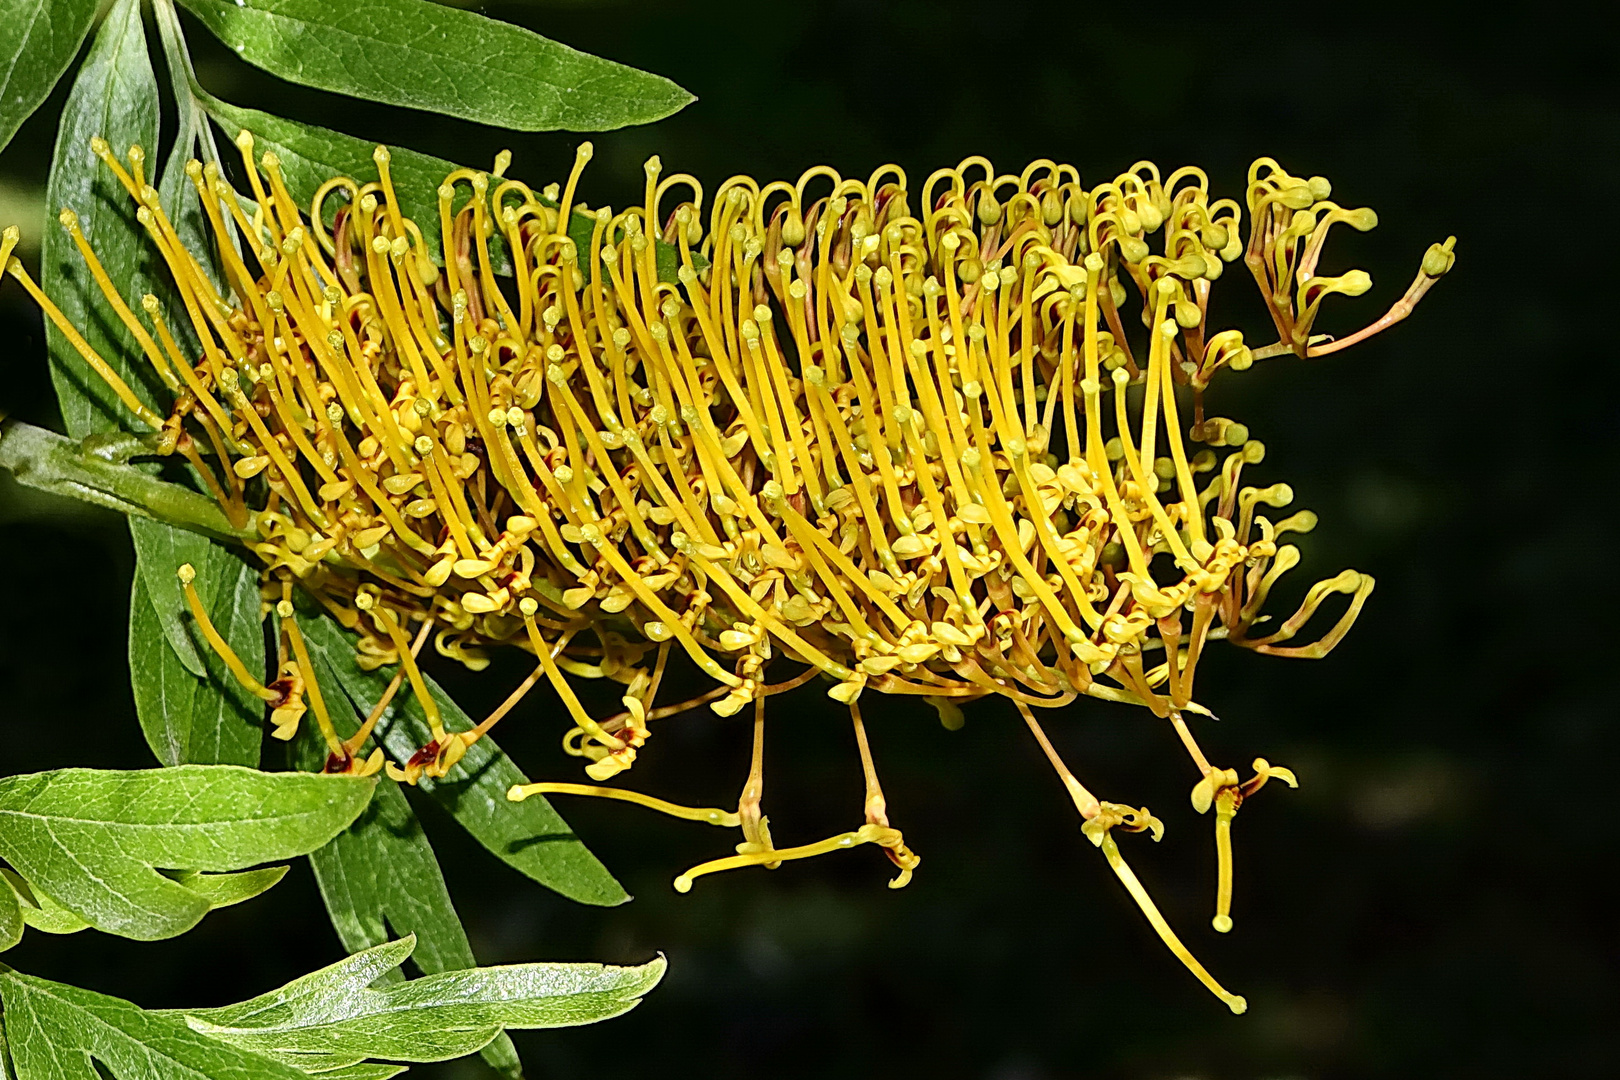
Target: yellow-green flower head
(948, 442)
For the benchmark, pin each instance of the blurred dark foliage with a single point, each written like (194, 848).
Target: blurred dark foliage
(1430, 903)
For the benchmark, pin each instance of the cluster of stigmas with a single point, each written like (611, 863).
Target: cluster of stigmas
(949, 442)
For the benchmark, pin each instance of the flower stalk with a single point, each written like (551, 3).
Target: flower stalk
(98, 470)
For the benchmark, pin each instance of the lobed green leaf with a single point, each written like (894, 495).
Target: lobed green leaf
(39, 911)
(224, 890)
(342, 1015)
(43, 36)
(428, 56)
(59, 1032)
(93, 840)
(381, 875)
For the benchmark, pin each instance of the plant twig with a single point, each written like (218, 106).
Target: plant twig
(97, 470)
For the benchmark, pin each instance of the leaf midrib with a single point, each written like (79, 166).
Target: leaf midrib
(101, 823)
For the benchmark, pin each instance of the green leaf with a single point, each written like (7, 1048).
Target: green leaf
(155, 543)
(6, 1071)
(55, 1031)
(536, 842)
(427, 56)
(116, 97)
(211, 720)
(329, 1022)
(363, 1071)
(381, 874)
(225, 890)
(94, 839)
(42, 38)
(40, 911)
(11, 919)
(336, 1016)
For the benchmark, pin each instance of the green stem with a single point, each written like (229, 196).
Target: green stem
(97, 470)
(188, 93)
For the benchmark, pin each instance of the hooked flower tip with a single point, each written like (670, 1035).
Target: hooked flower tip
(1439, 258)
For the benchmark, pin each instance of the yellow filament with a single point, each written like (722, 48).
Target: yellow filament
(576, 711)
(1111, 852)
(1084, 801)
(311, 683)
(713, 816)
(82, 347)
(126, 316)
(358, 739)
(407, 659)
(565, 207)
(866, 834)
(217, 643)
(1225, 809)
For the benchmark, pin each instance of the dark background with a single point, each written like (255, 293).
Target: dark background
(1429, 903)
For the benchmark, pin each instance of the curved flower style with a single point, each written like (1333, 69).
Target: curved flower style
(913, 448)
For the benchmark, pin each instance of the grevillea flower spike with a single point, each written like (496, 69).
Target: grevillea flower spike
(910, 447)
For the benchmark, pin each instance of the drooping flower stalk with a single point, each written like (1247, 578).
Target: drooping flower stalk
(913, 448)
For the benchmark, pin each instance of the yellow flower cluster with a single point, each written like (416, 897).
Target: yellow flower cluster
(908, 440)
